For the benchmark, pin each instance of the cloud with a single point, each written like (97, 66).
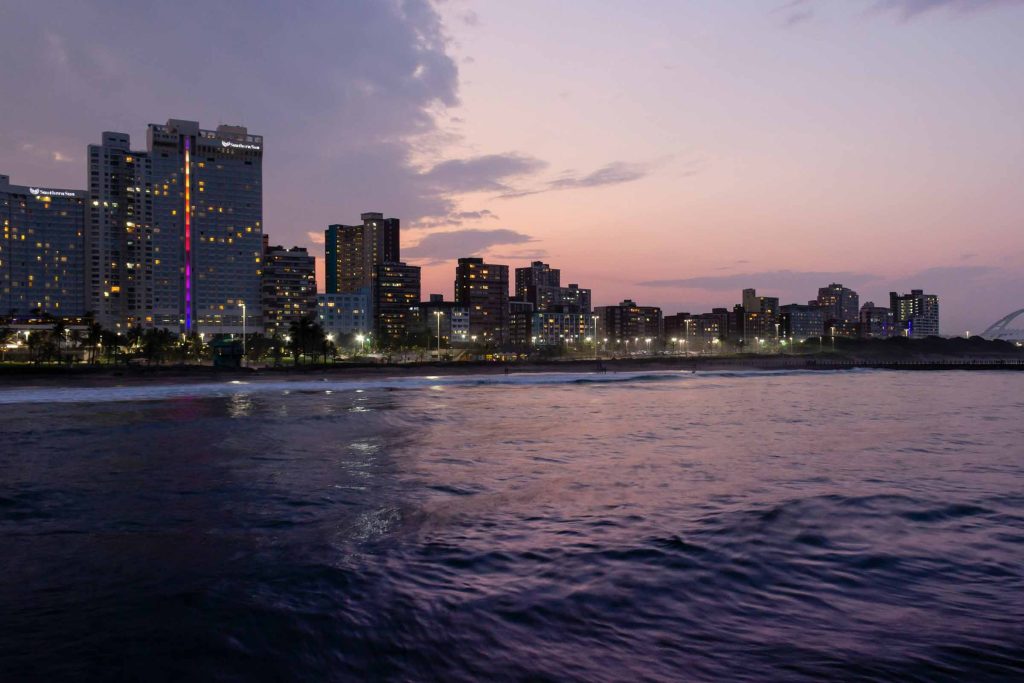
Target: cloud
(952, 274)
(800, 11)
(615, 173)
(454, 219)
(795, 12)
(766, 282)
(911, 8)
(440, 247)
(522, 255)
(484, 173)
(336, 110)
(315, 236)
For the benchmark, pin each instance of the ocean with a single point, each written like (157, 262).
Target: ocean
(719, 526)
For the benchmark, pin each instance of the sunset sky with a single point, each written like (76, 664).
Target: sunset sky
(667, 151)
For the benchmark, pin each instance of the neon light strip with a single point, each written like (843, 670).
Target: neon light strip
(188, 237)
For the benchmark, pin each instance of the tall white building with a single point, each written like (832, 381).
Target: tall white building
(175, 233)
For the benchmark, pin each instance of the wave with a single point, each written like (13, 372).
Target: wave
(155, 392)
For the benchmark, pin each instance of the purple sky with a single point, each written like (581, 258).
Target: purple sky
(671, 152)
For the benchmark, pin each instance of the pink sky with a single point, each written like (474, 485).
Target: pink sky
(670, 152)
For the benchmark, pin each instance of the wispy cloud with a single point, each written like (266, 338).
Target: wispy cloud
(455, 218)
(489, 173)
(795, 12)
(521, 255)
(789, 280)
(800, 11)
(615, 173)
(441, 247)
(911, 8)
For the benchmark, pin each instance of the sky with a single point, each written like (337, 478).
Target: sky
(668, 151)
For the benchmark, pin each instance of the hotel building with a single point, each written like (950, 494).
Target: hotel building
(174, 233)
(41, 250)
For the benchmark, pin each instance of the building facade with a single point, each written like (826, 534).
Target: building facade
(876, 322)
(803, 321)
(344, 314)
(352, 252)
(396, 292)
(537, 274)
(696, 333)
(444, 320)
(482, 289)
(916, 315)
(552, 328)
(628, 323)
(42, 250)
(841, 304)
(289, 287)
(175, 233)
(760, 318)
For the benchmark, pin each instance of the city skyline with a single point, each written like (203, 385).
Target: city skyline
(761, 168)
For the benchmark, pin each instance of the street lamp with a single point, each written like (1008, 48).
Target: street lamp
(360, 338)
(648, 346)
(243, 333)
(438, 314)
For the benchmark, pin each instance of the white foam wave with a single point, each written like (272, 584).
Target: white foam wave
(155, 392)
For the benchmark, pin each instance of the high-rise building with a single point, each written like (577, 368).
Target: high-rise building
(396, 301)
(803, 321)
(42, 259)
(482, 288)
(760, 317)
(537, 274)
(915, 315)
(540, 285)
(553, 328)
(289, 287)
(352, 252)
(696, 333)
(876, 322)
(175, 233)
(119, 266)
(628, 322)
(841, 304)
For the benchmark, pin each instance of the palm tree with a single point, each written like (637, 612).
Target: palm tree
(59, 333)
(93, 338)
(155, 343)
(7, 335)
(306, 336)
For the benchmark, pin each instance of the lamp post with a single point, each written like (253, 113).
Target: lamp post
(243, 334)
(437, 314)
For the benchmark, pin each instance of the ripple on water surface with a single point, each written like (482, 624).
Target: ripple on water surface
(734, 526)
